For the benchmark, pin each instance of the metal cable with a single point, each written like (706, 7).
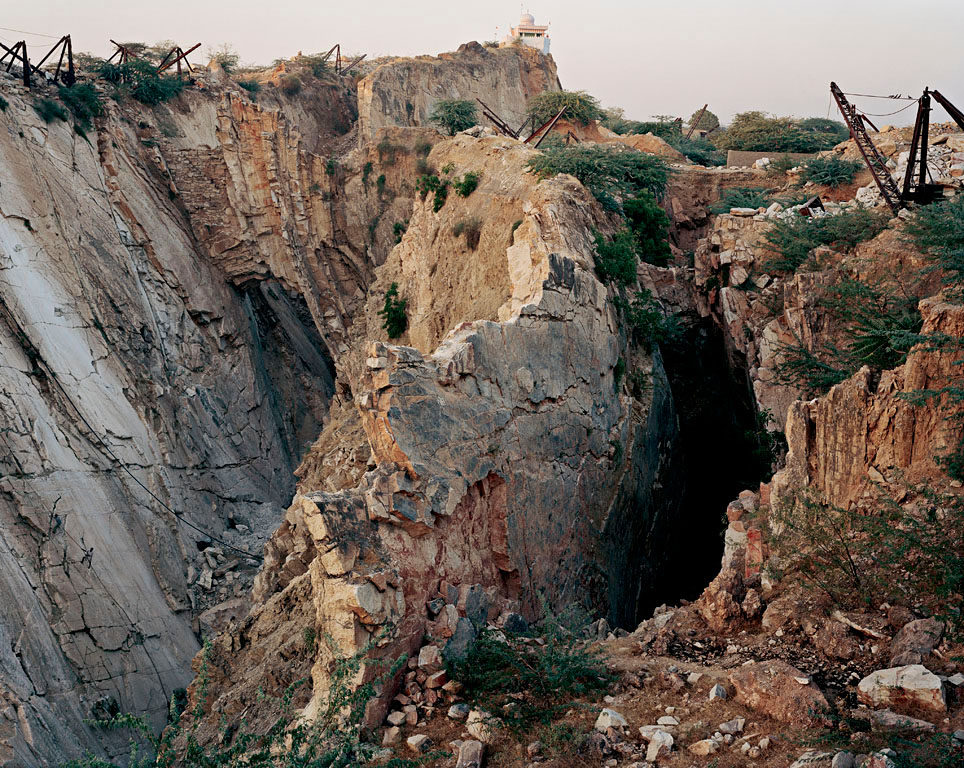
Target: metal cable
(875, 96)
(887, 114)
(35, 34)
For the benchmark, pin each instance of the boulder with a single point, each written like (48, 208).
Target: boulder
(609, 718)
(660, 744)
(704, 747)
(915, 641)
(479, 724)
(774, 688)
(887, 720)
(471, 754)
(813, 758)
(902, 688)
(419, 743)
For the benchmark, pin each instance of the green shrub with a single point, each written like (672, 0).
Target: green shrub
(366, 172)
(139, 78)
(792, 239)
(581, 107)
(755, 131)
(423, 148)
(290, 84)
(331, 166)
(380, 183)
(333, 739)
(879, 551)
(616, 258)
(741, 197)
(780, 166)
(537, 682)
(650, 227)
(432, 183)
(83, 102)
(700, 151)
(3, 104)
(644, 320)
(769, 446)
(50, 110)
(394, 318)
(619, 373)
(610, 173)
(399, 228)
(467, 184)
(471, 228)
(880, 326)
(454, 115)
(938, 230)
(707, 120)
(831, 171)
(251, 86)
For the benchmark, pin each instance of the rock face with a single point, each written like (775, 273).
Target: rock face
(403, 91)
(493, 441)
(115, 325)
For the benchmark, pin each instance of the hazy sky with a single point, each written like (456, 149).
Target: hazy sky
(648, 56)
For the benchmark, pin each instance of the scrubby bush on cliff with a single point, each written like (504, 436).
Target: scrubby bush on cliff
(334, 739)
(880, 326)
(83, 102)
(540, 682)
(740, 197)
(938, 230)
(649, 224)
(50, 110)
(792, 239)
(251, 86)
(700, 151)
(616, 257)
(878, 552)
(225, 56)
(611, 173)
(644, 320)
(290, 85)
(471, 228)
(615, 121)
(580, 107)
(432, 183)
(395, 320)
(467, 184)
(139, 78)
(832, 171)
(454, 115)
(704, 120)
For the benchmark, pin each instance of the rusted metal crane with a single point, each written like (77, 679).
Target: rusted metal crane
(915, 188)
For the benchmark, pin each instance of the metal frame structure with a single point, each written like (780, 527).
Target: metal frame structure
(915, 186)
(501, 125)
(875, 161)
(167, 62)
(21, 50)
(546, 128)
(62, 74)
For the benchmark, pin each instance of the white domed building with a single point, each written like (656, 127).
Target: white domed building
(528, 33)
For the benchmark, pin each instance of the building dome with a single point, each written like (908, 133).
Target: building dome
(527, 20)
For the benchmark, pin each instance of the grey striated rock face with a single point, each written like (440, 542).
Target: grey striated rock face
(111, 317)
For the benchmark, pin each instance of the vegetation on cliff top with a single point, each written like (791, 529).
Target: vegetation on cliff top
(454, 115)
(581, 107)
(757, 131)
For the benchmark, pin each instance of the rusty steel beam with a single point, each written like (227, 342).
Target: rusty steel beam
(353, 64)
(182, 55)
(546, 127)
(876, 162)
(956, 115)
(696, 122)
(499, 123)
(911, 159)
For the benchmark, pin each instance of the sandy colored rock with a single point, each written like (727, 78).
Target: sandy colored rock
(902, 688)
(772, 688)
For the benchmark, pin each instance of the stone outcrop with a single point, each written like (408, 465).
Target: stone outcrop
(116, 326)
(403, 91)
(506, 467)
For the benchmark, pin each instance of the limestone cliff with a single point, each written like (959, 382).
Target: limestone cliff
(508, 465)
(403, 91)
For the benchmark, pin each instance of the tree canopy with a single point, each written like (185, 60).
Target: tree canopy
(454, 115)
